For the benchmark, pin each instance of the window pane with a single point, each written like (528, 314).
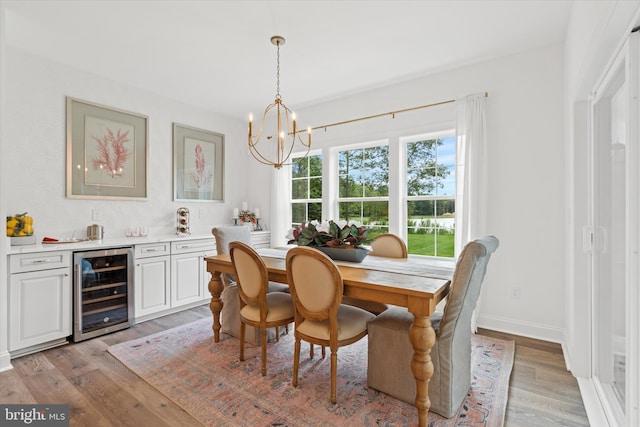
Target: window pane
(315, 165)
(315, 212)
(299, 189)
(298, 213)
(315, 188)
(299, 168)
(431, 227)
(447, 182)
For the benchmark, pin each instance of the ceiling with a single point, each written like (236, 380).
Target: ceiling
(217, 54)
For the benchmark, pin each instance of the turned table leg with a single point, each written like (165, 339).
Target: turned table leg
(215, 288)
(422, 337)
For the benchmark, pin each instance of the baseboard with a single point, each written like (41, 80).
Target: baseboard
(525, 329)
(5, 361)
(595, 412)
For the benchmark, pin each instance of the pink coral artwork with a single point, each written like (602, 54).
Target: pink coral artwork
(108, 153)
(199, 158)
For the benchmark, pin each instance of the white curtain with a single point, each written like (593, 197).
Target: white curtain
(280, 212)
(471, 174)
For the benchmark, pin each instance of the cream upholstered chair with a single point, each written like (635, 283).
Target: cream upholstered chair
(384, 245)
(389, 245)
(390, 351)
(257, 307)
(230, 322)
(316, 287)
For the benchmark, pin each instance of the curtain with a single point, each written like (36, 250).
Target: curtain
(471, 174)
(280, 212)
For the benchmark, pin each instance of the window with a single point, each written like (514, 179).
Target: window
(306, 189)
(363, 186)
(431, 192)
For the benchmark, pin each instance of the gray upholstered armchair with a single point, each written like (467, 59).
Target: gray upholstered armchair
(230, 318)
(390, 350)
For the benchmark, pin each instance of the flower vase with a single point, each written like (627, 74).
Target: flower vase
(344, 254)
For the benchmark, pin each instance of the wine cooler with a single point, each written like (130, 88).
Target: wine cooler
(102, 292)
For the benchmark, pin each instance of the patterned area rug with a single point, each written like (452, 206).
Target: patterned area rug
(208, 381)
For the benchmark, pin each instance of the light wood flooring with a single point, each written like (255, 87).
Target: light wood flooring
(105, 393)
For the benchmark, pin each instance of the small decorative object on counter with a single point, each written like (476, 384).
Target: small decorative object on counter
(20, 229)
(19, 225)
(247, 217)
(182, 222)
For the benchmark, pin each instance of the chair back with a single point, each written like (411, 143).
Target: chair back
(315, 283)
(389, 245)
(251, 274)
(465, 287)
(226, 234)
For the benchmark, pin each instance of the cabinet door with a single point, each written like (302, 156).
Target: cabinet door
(186, 279)
(40, 308)
(152, 285)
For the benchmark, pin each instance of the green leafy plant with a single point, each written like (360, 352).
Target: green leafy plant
(329, 234)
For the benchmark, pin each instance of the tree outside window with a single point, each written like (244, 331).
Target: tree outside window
(363, 187)
(431, 196)
(306, 189)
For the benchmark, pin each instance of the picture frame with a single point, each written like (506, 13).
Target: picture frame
(107, 151)
(198, 164)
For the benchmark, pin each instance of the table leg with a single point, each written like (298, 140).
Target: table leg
(422, 337)
(215, 288)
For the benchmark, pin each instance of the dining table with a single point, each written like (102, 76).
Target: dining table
(417, 283)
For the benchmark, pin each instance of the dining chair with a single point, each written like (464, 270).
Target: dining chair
(386, 245)
(316, 288)
(390, 350)
(258, 308)
(230, 316)
(389, 245)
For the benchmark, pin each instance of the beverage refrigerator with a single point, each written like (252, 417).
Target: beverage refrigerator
(102, 292)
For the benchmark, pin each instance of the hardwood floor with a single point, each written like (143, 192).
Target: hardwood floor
(102, 392)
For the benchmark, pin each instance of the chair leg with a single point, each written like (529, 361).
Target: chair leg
(264, 351)
(296, 362)
(324, 353)
(278, 333)
(334, 373)
(310, 350)
(241, 340)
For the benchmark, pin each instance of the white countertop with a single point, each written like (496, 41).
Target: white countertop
(115, 242)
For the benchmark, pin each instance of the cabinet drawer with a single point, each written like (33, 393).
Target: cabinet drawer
(152, 249)
(188, 246)
(261, 239)
(39, 261)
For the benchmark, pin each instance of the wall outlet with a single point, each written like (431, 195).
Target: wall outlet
(96, 215)
(515, 292)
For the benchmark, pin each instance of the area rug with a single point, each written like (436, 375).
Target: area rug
(208, 381)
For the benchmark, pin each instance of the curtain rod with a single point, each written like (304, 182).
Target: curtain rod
(390, 113)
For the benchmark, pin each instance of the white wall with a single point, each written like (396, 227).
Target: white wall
(35, 147)
(526, 203)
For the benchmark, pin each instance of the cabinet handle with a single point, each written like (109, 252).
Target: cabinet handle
(151, 250)
(41, 261)
(184, 246)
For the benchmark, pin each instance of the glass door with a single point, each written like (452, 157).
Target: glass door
(615, 238)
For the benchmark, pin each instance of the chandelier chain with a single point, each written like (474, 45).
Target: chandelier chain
(278, 73)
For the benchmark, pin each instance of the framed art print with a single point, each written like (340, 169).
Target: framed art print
(106, 152)
(198, 162)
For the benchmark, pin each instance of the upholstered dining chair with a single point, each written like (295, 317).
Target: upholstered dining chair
(389, 245)
(386, 245)
(316, 287)
(230, 322)
(257, 307)
(390, 351)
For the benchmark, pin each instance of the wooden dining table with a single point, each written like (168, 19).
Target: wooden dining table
(412, 282)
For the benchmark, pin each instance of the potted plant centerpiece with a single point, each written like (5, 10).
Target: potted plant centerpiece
(340, 241)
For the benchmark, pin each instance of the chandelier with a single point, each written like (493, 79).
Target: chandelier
(281, 132)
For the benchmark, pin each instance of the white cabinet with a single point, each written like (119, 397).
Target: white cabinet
(261, 239)
(40, 296)
(152, 278)
(189, 276)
